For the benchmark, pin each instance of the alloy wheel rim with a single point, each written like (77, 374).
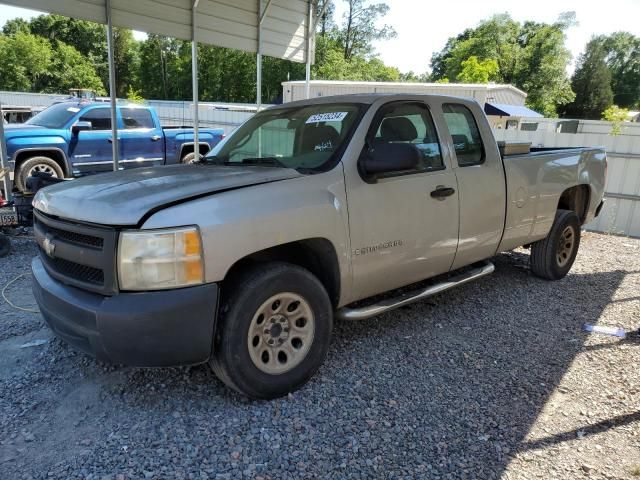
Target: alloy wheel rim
(565, 246)
(42, 168)
(281, 333)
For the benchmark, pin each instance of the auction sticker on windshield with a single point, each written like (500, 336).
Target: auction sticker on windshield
(327, 117)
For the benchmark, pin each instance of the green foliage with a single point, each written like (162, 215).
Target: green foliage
(361, 28)
(592, 84)
(616, 115)
(24, 61)
(529, 55)
(134, 95)
(622, 56)
(69, 69)
(474, 71)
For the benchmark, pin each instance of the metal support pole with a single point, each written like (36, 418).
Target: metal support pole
(310, 23)
(112, 89)
(194, 79)
(6, 181)
(262, 13)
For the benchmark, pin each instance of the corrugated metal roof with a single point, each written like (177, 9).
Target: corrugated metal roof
(225, 23)
(504, 110)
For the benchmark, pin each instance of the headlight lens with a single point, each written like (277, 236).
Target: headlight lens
(160, 259)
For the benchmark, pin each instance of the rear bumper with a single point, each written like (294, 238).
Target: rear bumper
(149, 329)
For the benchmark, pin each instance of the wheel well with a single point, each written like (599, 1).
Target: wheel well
(54, 155)
(576, 199)
(316, 255)
(187, 149)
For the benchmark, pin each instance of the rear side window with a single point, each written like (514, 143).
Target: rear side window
(100, 118)
(136, 118)
(411, 123)
(464, 133)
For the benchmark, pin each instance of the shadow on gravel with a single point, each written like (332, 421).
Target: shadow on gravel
(481, 365)
(445, 388)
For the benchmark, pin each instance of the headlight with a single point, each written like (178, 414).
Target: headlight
(160, 259)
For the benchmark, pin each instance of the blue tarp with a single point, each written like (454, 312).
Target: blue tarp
(503, 110)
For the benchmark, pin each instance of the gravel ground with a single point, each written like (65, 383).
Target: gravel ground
(493, 380)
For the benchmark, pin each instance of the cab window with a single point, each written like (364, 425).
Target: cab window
(410, 123)
(465, 134)
(100, 118)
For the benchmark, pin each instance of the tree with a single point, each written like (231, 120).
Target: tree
(592, 84)
(69, 69)
(622, 56)
(24, 60)
(474, 71)
(531, 56)
(361, 28)
(616, 116)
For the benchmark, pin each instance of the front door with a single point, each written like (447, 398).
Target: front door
(90, 151)
(401, 231)
(141, 141)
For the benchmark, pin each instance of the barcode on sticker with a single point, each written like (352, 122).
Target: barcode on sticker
(327, 117)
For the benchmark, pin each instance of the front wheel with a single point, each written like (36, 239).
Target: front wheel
(36, 165)
(553, 256)
(274, 330)
(190, 158)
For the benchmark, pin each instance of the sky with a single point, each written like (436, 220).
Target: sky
(424, 26)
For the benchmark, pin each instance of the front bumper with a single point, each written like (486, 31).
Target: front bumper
(149, 329)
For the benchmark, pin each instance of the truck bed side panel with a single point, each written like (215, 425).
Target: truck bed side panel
(535, 183)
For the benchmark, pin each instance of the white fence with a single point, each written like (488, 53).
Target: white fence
(621, 214)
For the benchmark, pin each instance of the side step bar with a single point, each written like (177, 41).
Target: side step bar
(410, 297)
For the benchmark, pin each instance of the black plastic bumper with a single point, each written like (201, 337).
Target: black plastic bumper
(149, 329)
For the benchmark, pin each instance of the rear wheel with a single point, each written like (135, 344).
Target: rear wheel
(553, 256)
(190, 158)
(36, 165)
(274, 330)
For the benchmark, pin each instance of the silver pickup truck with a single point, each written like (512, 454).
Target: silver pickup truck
(337, 207)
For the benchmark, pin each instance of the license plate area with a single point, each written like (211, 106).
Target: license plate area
(8, 217)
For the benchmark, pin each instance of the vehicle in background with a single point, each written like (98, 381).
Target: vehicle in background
(73, 139)
(18, 113)
(335, 207)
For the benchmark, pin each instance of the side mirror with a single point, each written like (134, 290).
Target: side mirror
(79, 126)
(390, 157)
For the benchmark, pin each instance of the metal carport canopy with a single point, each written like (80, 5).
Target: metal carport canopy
(278, 28)
(225, 23)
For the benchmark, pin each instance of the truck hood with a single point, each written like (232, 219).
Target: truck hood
(23, 130)
(124, 198)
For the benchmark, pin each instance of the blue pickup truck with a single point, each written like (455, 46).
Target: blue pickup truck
(73, 139)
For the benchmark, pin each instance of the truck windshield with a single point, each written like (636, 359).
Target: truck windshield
(306, 138)
(56, 116)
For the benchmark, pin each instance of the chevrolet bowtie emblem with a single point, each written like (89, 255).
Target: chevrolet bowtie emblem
(49, 247)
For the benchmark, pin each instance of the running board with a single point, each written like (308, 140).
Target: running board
(405, 299)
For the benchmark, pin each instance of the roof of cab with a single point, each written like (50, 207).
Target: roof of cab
(369, 98)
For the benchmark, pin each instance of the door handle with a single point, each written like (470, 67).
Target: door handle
(155, 138)
(441, 192)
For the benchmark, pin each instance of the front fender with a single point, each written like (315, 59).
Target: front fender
(238, 223)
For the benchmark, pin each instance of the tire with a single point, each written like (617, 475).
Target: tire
(190, 158)
(553, 256)
(36, 164)
(242, 337)
(5, 245)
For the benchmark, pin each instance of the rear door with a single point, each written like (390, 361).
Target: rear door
(141, 140)
(481, 184)
(400, 232)
(91, 151)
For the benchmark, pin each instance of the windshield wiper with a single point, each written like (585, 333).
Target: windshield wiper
(267, 161)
